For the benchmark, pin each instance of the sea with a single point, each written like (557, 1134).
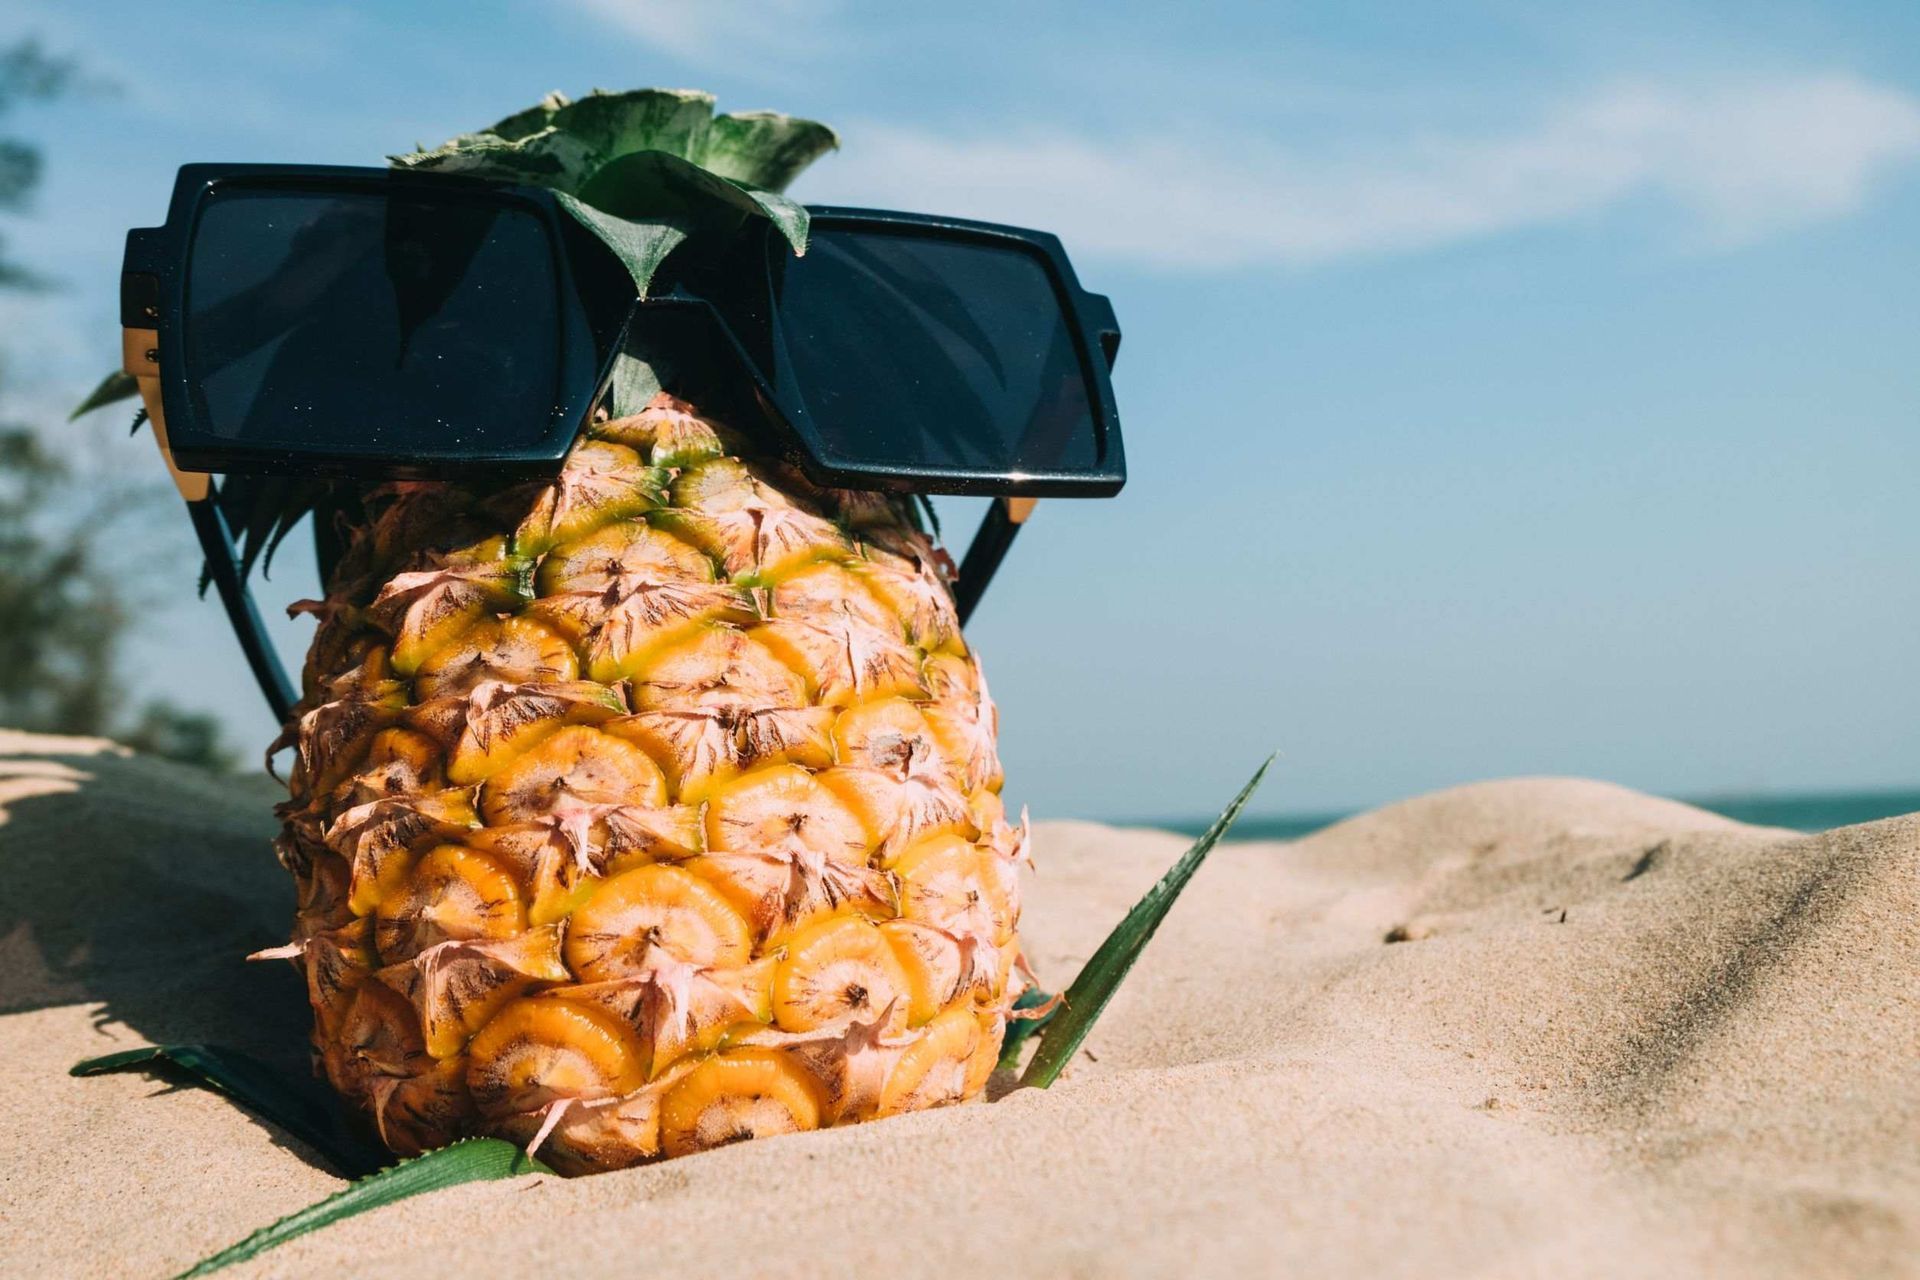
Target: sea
(1813, 811)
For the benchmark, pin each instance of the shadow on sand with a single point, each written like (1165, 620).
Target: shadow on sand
(112, 900)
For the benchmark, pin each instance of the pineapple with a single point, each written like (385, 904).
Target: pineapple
(656, 806)
(647, 810)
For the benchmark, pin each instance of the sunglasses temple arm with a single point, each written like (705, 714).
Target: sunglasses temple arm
(988, 548)
(223, 567)
(140, 358)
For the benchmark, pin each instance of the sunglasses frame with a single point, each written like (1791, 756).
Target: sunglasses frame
(153, 307)
(153, 297)
(153, 301)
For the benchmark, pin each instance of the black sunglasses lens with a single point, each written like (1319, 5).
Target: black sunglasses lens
(937, 354)
(374, 324)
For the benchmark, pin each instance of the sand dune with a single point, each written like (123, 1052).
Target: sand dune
(1622, 1037)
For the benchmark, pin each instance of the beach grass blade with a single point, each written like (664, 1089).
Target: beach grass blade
(1087, 998)
(300, 1107)
(471, 1160)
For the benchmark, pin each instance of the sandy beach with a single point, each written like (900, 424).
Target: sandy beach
(1527, 1027)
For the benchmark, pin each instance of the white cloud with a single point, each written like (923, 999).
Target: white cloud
(720, 32)
(1743, 160)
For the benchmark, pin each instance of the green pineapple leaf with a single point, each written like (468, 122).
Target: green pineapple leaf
(640, 246)
(764, 149)
(113, 388)
(469, 1160)
(638, 376)
(1087, 997)
(1021, 1030)
(544, 159)
(645, 205)
(658, 187)
(647, 169)
(611, 125)
(300, 1107)
(532, 120)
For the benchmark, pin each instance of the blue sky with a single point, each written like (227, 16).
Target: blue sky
(1507, 389)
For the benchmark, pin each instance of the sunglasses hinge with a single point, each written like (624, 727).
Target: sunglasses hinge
(140, 359)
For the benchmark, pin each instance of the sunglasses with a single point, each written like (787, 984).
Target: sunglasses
(372, 324)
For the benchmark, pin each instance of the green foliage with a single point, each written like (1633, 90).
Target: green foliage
(27, 74)
(648, 169)
(63, 616)
(471, 1160)
(175, 733)
(1087, 998)
(653, 186)
(561, 143)
(59, 614)
(764, 148)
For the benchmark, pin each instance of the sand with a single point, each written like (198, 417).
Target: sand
(1622, 1037)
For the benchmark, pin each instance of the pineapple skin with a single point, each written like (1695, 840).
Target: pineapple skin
(647, 810)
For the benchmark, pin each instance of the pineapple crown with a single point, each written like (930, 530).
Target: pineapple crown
(645, 170)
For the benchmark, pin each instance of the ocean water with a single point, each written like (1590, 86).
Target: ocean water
(1811, 812)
